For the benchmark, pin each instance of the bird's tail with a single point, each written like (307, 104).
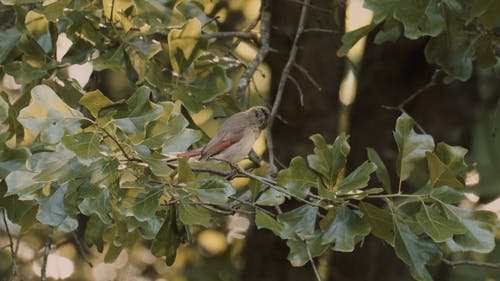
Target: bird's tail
(189, 154)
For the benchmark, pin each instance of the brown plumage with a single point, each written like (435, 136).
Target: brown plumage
(235, 137)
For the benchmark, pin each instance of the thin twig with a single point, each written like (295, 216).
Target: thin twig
(495, 114)
(308, 76)
(120, 147)
(301, 94)
(284, 77)
(309, 5)
(238, 34)
(324, 30)
(46, 251)
(472, 263)
(311, 261)
(257, 207)
(81, 250)
(249, 28)
(112, 9)
(15, 271)
(265, 22)
(435, 80)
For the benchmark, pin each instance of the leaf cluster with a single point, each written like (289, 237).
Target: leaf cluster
(459, 31)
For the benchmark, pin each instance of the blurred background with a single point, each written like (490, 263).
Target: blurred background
(337, 95)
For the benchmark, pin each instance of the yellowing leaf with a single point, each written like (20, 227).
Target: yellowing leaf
(183, 41)
(48, 114)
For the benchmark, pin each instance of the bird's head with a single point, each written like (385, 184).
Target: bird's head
(261, 115)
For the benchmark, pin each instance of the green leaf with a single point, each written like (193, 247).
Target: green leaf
(184, 171)
(358, 178)
(412, 146)
(60, 165)
(94, 233)
(8, 39)
(193, 214)
(105, 173)
(298, 223)
(299, 256)
(113, 252)
(84, 145)
(478, 8)
(21, 212)
(95, 101)
(453, 50)
(480, 227)
(414, 251)
(12, 159)
(38, 27)
(297, 178)
(4, 107)
(155, 161)
(438, 227)
(347, 229)
(211, 81)
(381, 8)
(381, 172)
(263, 220)
(48, 114)
(140, 111)
(169, 132)
(148, 228)
(183, 45)
(380, 221)
(448, 194)
(112, 59)
(213, 190)
(390, 33)
(420, 18)
(140, 199)
(99, 206)
(54, 11)
(169, 238)
(24, 73)
(53, 211)
(22, 183)
(33, 54)
(440, 174)
(329, 160)
(349, 39)
(452, 156)
(150, 9)
(147, 49)
(271, 197)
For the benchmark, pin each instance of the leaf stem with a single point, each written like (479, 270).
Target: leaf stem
(472, 263)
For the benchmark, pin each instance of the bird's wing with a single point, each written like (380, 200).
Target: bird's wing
(220, 142)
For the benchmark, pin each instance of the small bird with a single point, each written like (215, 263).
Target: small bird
(235, 137)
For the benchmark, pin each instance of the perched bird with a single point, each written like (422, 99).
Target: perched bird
(235, 137)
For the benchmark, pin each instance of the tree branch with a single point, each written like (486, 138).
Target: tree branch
(311, 261)
(308, 76)
(15, 269)
(284, 77)
(297, 85)
(435, 80)
(265, 23)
